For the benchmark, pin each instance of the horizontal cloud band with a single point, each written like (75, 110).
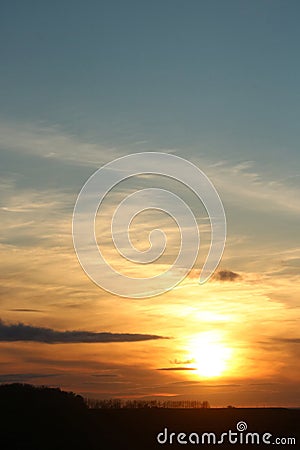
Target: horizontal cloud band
(22, 332)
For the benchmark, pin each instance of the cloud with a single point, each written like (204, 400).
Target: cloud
(243, 181)
(246, 183)
(25, 310)
(105, 375)
(51, 142)
(20, 377)
(287, 340)
(274, 343)
(178, 361)
(226, 275)
(177, 368)
(22, 332)
(292, 262)
(186, 384)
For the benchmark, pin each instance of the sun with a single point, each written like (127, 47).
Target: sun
(209, 355)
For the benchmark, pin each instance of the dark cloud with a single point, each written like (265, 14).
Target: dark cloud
(287, 340)
(177, 368)
(178, 361)
(105, 375)
(22, 332)
(21, 377)
(226, 275)
(275, 343)
(25, 310)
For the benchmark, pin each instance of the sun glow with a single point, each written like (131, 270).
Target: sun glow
(209, 355)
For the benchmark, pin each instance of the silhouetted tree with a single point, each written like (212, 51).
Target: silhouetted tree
(205, 404)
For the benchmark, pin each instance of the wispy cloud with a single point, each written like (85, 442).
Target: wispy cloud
(245, 182)
(21, 377)
(242, 181)
(52, 142)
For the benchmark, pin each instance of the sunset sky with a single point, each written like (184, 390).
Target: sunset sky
(214, 82)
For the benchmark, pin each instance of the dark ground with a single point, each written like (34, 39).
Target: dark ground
(44, 419)
(138, 429)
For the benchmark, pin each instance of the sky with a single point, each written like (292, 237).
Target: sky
(216, 83)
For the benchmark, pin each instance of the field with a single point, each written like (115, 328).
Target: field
(138, 429)
(41, 418)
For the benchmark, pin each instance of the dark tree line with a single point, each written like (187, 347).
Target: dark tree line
(134, 404)
(27, 396)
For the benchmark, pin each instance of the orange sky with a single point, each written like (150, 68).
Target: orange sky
(233, 340)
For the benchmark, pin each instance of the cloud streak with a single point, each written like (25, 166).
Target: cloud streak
(22, 332)
(287, 340)
(23, 377)
(25, 310)
(177, 368)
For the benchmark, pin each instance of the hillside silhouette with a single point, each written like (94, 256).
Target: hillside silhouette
(43, 418)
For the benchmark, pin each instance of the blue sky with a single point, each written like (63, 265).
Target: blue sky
(212, 76)
(214, 82)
